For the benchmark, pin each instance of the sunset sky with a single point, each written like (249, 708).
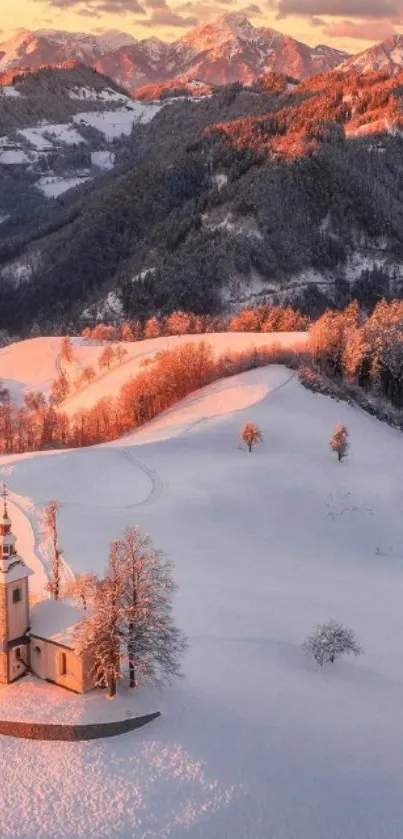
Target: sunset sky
(350, 24)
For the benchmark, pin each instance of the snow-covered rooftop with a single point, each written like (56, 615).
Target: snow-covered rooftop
(13, 570)
(55, 621)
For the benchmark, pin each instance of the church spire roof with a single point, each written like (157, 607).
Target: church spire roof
(5, 522)
(12, 566)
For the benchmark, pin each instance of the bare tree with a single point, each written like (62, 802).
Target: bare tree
(66, 349)
(59, 390)
(88, 375)
(82, 588)
(106, 357)
(339, 442)
(154, 643)
(51, 531)
(131, 619)
(121, 353)
(330, 641)
(99, 633)
(251, 435)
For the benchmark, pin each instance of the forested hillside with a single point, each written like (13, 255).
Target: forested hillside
(280, 191)
(59, 128)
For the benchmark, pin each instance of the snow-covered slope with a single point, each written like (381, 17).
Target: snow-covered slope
(35, 363)
(52, 124)
(386, 56)
(52, 46)
(32, 365)
(254, 742)
(231, 49)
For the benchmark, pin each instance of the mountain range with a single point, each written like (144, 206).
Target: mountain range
(227, 50)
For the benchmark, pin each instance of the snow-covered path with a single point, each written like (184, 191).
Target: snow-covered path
(26, 524)
(254, 741)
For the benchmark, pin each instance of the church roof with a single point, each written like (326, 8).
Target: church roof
(55, 621)
(14, 569)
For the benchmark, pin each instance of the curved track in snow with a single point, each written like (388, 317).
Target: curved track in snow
(157, 484)
(38, 561)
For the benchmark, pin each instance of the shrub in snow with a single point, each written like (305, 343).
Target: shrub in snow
(339, 442)
(251, 435)
(330, 641)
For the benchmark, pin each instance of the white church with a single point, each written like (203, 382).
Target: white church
(38, 639)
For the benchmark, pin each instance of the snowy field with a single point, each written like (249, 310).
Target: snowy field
(60, 133)
(120, 121)
(254, 742)
(52, 186)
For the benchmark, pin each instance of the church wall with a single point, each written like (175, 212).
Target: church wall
(18, 666)
(3, 635)
(3, 668)
(3, 615)
(49, 664)
(18, 614)
(87, 664)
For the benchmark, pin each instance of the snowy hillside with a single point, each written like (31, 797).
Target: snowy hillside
(35, 363)
(63, 127)
(387, 56)
(254, 742)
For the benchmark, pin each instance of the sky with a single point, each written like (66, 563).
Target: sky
(348, 24)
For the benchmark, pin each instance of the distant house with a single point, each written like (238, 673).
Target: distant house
(38, 639)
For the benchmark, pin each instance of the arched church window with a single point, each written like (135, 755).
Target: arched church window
(38, 650)
(17, 596)
(18, 654)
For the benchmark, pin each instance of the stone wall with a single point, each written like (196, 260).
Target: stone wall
(92, 731)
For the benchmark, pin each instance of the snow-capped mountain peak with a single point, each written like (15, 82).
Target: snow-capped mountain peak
(387, 55)
(225, 50)
(227, 27)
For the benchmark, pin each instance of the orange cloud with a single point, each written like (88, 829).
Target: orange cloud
(363, 9)
(366, 30)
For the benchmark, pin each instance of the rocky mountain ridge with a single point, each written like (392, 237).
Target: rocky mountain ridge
(229, 49)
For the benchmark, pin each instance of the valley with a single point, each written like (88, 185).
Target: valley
(201, 282)
(254, 739)
(203, 194)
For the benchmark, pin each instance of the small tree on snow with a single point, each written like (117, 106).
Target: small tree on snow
(51, 532)
(106, 357)
(66, 349)
(251, 435)
(121, 353)
(330, 641)
(339, 442)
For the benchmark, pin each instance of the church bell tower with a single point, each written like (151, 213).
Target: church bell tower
(14, 602)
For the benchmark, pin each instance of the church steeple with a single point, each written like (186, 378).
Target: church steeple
(12, 566)
(14, 600)
(8, 553)
(5, 523)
